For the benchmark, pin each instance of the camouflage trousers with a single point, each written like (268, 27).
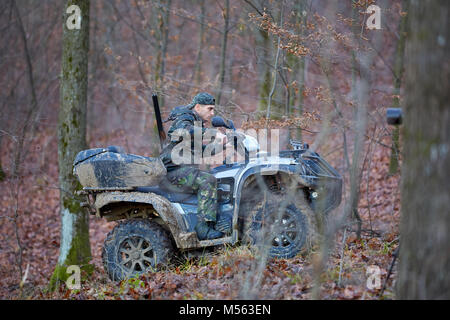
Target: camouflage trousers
(191, 179)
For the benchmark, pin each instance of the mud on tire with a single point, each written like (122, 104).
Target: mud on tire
(135, 247)
(277, 226)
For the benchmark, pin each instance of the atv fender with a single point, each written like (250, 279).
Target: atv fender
(294, 171)
(162, 208)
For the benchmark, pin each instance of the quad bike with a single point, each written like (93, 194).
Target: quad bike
(270, 199)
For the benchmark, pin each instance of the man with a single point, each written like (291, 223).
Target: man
(188, 177)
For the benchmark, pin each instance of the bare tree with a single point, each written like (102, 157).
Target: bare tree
(196, 75)
(298, 65)
(398, 73)
(75, 246)
(424, 261)
(223, 50)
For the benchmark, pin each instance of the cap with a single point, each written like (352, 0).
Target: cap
(203, 98)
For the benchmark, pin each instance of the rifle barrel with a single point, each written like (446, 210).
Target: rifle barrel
(162, 134)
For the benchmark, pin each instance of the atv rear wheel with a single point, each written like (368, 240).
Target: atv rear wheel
(135, 247)
(277, 227)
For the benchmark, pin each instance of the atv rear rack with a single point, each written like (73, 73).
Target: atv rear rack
(88, 190)
(91, 194)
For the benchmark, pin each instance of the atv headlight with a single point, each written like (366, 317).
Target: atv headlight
(223, 193)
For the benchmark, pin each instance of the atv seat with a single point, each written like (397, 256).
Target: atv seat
(172, 195)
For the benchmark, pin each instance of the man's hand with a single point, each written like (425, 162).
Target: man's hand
(217, 136)
(221, 136)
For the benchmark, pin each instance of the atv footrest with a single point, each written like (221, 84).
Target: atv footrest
(190, 240)
(215, 242)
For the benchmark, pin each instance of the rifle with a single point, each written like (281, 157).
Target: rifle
(162, 134)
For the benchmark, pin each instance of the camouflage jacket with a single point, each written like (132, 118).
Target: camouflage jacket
(183, 118)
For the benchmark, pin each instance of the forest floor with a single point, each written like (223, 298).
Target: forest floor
(227, 273)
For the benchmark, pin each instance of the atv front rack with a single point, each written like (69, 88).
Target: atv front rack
(298, 145)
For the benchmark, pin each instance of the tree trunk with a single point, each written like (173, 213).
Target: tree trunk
(164, 45)
(2, 173)
(165, 39)
(275, 105)
(197, 74)
(75, 247)
(424, 261)
(265, 73)
(28, 120)
(275, 75)
(299, 71)
(398, 73)
(226, 17)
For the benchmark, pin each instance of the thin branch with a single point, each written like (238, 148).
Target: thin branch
(253, 6)
(276, 67)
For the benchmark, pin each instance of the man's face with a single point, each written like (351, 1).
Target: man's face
(205, 111)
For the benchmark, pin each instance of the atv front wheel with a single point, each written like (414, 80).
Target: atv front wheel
(279, 228)
(135, 247)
